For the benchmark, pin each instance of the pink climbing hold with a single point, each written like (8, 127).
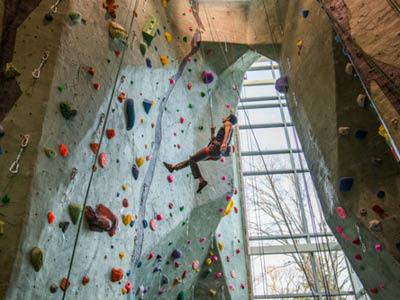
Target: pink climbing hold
(170, 205)
(228, 197)
(222, 159)
(170, 178)
(230, 286)
(202, 240)
(218, 275)
(160, 217)
(228, 259)
(233, 274)
(341, 213)
(378, 247)
(153, 225)
(171, 81)
(189, 86)
(103, 162)
(195, 265)
(340, 230)
(151, 255)
(185, 274)
(182, 120)
(214, 258)
(228, 106)
(238, 251)
(128, 287)
(224, 177)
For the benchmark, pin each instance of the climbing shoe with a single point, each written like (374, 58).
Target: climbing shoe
(202, 185)
(169, 167)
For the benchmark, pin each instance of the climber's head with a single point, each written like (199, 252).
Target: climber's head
(231, 118)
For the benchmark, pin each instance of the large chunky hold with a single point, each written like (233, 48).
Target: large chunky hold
(116, 274)
(101, 220)
(207, 76)
(37, 258)
(147, 104)
(116, 31)
(67, 111)
(130, 114)
(181, 295)
(150, 29)
(282, 84)
(111, 8)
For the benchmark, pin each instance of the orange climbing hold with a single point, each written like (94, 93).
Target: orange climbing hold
(91, 71)
(63, 150)
(116, 274)
(94, 147)
(121, 97)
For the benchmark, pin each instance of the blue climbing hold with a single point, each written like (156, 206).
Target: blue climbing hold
(305, 13)
(130, 114)
(135, 172)
(346, 183)
(380, 194)
(148, 63)
(145, 224)
(147, 104)
(361, 134)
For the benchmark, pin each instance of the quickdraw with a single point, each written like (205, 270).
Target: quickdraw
(36, 72)
(24, 143)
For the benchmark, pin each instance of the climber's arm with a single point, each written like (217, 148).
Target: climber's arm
(228, 128)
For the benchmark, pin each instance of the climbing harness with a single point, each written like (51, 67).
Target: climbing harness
(36, 72)
(24, 143)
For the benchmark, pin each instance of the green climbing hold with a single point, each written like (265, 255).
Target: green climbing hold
(50, 153)
(143, 48)
(75, 17)
(181, 295)
(61, 88)
(201, 127)
(190, 105)
(67, 111)
(37, 258)
(185, 39)
(5, 199)
(74, 212)
(181, 208)
(202, 94)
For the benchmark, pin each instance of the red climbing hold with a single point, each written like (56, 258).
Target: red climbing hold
(95, 147)
(189, 86)
(50, 217)
(116, 274)
(103, 162)
(378, 247)
(160, 217)
(125, 203)
(151, 255)
(374, 290)
(101, 220)
(63, 150)
(96, 86)
(170, 205)
(171, 81)
(182, 120)
(236, 209)
(379, 210)
(110, 132)
(358, 257)
(341, 213)
(356, 241)
(85, 280)
(170, 178)
(237, 251)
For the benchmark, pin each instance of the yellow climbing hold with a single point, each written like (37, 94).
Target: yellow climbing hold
(382, 132)
(124, 187)
(164, 3)
(121, 255)
(220, 246)
(168, 37)
(139, 161)
(141, 120)
(116, 31)
(164, 60)
(229, 207)
(208, 262)
(127, 219)
(124, 291)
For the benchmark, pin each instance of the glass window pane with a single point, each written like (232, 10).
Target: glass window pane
(267, 138)
(260, 116)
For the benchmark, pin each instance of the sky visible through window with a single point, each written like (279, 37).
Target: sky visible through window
(289, 196)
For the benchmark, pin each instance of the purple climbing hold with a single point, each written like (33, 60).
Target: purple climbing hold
(130, 114)
(148, 63)
(135, 172)
(207, 77)
(176, 254)
(282, 84)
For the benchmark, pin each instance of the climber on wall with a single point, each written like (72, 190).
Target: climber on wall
(218, 146)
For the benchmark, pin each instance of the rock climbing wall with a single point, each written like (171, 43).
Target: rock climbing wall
(96, 212)
(354, 169)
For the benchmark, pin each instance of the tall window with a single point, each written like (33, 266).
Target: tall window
(293, 254)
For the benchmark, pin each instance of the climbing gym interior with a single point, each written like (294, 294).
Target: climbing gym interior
(199, 149)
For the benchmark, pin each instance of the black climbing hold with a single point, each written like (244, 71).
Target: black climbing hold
(48, 17)
(345, 184)
(145, 224)
(139, 264)
(130, 114)
(176, 254)
(202, 94)
(67, 111)
(164, 280)
(2, 131)
(63, 226)
(305, 13)
(5, 199)
(53, 288)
